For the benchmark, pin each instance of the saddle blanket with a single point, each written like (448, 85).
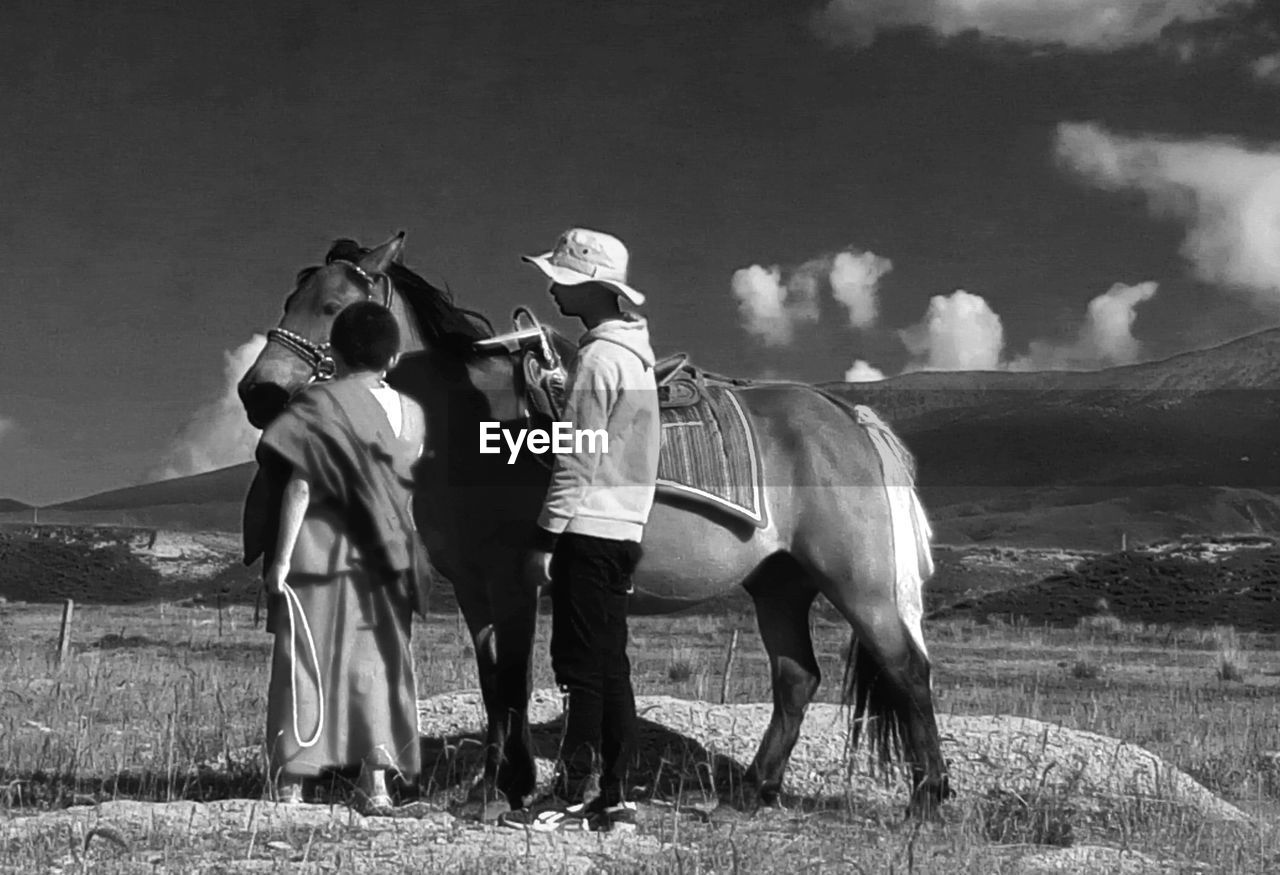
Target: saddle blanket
(709, 454)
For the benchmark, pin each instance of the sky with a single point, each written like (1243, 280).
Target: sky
(825, 190)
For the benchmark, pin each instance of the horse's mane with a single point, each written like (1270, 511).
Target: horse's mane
(442, 322)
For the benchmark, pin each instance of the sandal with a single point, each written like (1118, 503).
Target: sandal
(289, 793)
(372, 797)
(378, 805)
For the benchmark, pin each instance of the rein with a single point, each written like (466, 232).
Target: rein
(291, 599)
(317, 355)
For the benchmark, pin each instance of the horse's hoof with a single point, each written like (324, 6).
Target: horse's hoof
(923, 811)
(482, 810)
(468, 810)
(725, 813)
(493, 810)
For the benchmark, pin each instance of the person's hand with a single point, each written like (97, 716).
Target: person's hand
(537, 568)
(277, 573)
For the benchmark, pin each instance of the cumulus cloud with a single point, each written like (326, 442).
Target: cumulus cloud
(1227, 194)
(218, 434)
(855, 279)
(769, 309)
(1105, 339)
(1078, 24)
(774, 302)
(959, 332)
(1266, 68)
(863, 372)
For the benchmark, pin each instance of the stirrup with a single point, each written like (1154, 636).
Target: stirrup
(550, 358)
(513, 341)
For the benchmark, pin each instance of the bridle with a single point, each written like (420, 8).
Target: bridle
(317, 355)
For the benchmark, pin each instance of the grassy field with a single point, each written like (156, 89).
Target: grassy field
(151, 692)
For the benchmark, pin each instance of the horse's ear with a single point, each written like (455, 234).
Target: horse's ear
(380, 257)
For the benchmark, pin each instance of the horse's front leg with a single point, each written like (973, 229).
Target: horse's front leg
(504, 648)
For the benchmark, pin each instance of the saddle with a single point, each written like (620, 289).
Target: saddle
(709, 453)
(680, 383)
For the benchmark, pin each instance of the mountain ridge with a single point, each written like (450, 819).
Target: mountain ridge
(1162, 446)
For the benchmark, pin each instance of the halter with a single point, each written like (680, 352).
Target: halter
(317, 355)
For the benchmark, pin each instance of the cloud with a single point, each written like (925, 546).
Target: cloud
(1104, 340)
(855, 278)
(959, 332)
(862, 372)
(768, 307)
(1266, 68)
(1243, 33)
(1227, 194)
(218, 434)
(774, 302)
(1078, 24)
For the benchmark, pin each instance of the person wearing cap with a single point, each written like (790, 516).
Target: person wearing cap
(588, 534)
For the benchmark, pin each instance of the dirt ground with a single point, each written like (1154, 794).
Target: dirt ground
(989, 756)
(1033, 796)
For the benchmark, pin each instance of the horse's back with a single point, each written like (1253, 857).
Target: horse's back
(808, 436)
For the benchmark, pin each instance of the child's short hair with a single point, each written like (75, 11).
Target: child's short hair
(366, 335)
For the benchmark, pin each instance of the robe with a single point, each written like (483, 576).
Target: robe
(359, 571)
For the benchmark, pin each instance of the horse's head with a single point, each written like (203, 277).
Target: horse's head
(297, 350)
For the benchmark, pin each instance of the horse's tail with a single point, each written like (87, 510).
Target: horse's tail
(912, 554)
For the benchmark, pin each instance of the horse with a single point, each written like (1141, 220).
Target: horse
(844, 521)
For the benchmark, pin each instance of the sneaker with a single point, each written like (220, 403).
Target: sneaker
(548, 814)
(605, 818)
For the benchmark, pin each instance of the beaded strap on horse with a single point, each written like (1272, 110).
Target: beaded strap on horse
(322, 364)
(317, 355)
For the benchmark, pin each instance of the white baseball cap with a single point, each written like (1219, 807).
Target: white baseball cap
(585, 256)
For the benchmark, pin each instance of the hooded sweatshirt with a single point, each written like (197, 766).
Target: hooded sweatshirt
(608, 494)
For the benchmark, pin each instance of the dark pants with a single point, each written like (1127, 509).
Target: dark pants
(590, 579)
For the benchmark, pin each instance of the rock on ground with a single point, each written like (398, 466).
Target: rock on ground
(988, 753)
(1012, 757)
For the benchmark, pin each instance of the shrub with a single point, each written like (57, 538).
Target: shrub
(1086, 669)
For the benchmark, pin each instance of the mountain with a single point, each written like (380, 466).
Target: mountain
(1164, 448)
(1181, 446)
(205, 502)
(12, 505)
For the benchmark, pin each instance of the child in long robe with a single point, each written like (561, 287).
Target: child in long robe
(346, 557)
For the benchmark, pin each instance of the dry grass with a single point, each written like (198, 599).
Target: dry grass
(152, 693)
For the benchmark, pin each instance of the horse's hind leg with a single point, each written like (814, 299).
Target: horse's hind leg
(888, 680)
(783, 596)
